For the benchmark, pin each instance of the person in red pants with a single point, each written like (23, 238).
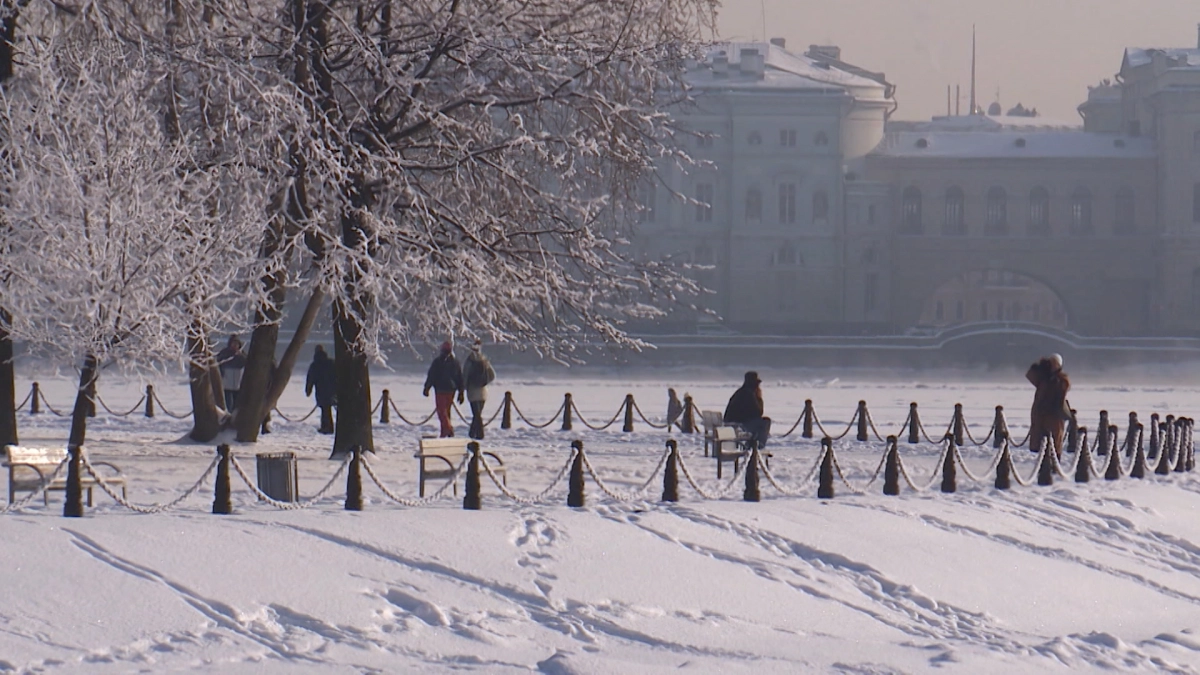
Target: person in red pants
(445, 378)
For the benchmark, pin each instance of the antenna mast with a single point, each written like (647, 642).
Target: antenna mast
(974, 109)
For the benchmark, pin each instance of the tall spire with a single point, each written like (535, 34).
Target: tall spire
(974, 109)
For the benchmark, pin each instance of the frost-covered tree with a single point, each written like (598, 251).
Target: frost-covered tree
(120, 235)
(465, 162)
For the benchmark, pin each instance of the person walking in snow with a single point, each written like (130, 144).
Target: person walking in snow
(1049, 412)
(674, 409)
(321, 379)
(745, 410)
(231, 361)
(445, 378)
(477, 375)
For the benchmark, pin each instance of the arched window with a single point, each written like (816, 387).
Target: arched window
(910, 211)
(754, 205)
(1039, 211)
(955, 222)
(996, 221)
(821, 139)
(1081, 211)
(820, 207)
(1126, 216)
(754, 138)
(787, 203)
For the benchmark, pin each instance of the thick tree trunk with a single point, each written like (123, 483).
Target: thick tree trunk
(206, 419)
(287, 364)
(84, 400)
(8, 391)
(353, 425)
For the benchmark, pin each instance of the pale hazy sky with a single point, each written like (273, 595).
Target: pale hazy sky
(1043, 53)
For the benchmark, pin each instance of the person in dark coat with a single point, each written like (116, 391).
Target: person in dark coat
(1049, 413)
(477, 375)
(321, 379)
(445, 378)
(745, 410)
(231, 362)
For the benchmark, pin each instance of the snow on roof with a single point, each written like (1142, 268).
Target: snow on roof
(1014, 145)
(1181, 56)
(983, 123)
(781, 69)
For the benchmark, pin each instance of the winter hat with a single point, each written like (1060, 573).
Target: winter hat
(752, 378)
(447, 347)
(1056, 360)
(477, 346)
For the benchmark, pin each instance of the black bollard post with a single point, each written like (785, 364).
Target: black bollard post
(506, 416)
(385, 405)
(807, 419)
(222, 494)
(751, 493)
(575, 496)
(354, 497)
(949, 467)
(959, 423)
(1083, 464)
(1154, 440)
(149, 400)
(1072, 433)
(825, 486)
(689, 415)
(1004, 470)
(567, 405)
(1139, 457)
(35, 404)
(1000, 432)
(1113, 471)
(471, 498)
(891, 470)
(1189, 435)
(1164, 451)
(1102, 433)
(1180, 446)
(914, 424)
(73, 506)
(671, 473)
(628, 427)
(1046, 467)
(862, 421)
(1131, 434)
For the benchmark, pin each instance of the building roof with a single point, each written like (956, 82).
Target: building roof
(783, 70)
(1014, 145)
(987, 123)
(1177, 56)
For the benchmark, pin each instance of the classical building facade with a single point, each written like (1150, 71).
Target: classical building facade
(813, 214)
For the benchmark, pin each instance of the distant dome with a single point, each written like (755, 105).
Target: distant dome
(995, 109)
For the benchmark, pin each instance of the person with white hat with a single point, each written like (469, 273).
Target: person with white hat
(1050, 412)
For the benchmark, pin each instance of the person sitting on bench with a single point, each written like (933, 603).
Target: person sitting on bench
(745, 410)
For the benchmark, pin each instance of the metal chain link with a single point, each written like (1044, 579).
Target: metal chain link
(420, 501)
(528, 501)
(110, 411)
(153, 508)
(288, 506)
(636, 495)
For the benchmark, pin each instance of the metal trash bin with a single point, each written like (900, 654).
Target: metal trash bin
(278, 475)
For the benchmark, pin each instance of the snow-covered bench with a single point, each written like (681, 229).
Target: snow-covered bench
(29, 470)
(450, 452)
(710, 420)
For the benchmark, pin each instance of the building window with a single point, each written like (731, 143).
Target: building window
(787, 203)
(753, 205)
(910, 211)
(787, 138)
(1126, 216)
(871, 292)
(821, 139)
(997, 212)
(820, 207)
(1081, 211)
(704, 202)
(1039, 211)
(649, 202)
(955, 223)
(754, 138)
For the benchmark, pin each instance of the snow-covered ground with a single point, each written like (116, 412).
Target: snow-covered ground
(1094, 577)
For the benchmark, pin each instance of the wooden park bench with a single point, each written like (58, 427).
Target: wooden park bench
(731, 444)
(29, 470)
(449, 451)
(710, 419)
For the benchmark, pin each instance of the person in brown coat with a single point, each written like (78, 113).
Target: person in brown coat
(1049, 413)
